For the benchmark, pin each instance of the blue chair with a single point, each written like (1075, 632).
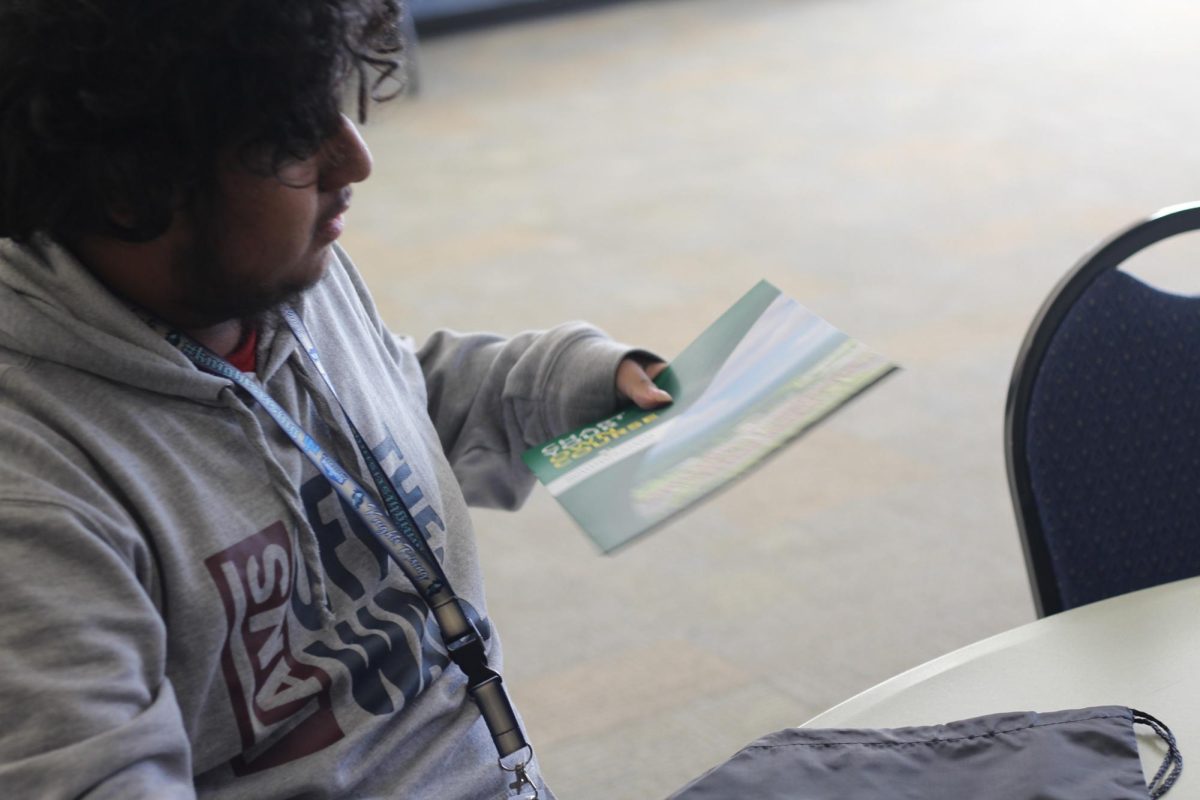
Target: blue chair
(1102, 429)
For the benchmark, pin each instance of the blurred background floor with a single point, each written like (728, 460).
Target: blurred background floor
(919, 172)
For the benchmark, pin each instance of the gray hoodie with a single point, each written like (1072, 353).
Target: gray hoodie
(185, 606)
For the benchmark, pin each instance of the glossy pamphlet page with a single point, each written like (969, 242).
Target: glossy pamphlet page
(761, 375)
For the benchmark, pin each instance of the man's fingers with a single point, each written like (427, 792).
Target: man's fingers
(636, 382)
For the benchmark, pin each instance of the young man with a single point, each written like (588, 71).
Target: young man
(188, 605)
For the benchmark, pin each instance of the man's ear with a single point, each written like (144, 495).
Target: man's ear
(124, 222)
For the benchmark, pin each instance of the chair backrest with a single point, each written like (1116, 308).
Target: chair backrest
(1102, 429)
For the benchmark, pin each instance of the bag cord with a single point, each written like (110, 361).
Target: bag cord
(1172, 766)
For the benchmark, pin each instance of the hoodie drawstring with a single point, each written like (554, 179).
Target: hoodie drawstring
(344, 447)
(282, 482)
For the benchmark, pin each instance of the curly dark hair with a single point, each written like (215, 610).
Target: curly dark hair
(126, 104)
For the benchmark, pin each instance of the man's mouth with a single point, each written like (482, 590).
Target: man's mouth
(334, 222)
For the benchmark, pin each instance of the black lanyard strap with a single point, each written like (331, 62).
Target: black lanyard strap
(393, 525)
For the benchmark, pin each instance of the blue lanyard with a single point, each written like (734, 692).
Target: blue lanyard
(392, 524)
(403, 542)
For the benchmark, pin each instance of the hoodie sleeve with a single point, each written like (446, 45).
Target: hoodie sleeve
(88, 710)
(491, 398)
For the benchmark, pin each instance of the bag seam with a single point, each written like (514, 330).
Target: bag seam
(989, 734)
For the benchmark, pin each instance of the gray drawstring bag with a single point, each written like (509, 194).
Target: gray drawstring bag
(1088, 754)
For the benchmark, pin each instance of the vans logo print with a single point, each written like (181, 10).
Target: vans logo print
(282, 707)
(384, 650)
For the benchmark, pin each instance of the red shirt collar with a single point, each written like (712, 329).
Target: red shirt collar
(245, 356)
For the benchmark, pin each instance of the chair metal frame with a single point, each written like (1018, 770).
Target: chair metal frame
(1107, 256)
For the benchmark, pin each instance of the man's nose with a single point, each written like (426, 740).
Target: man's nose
(345, 158)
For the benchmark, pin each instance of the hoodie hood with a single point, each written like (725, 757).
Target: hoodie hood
(53, 309)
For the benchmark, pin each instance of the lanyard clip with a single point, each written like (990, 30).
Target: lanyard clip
(497, 710)
(468, 653)
(522, 786)
(484, 685)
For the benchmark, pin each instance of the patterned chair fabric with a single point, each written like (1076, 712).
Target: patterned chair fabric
(1113, 441)
(1099, 428)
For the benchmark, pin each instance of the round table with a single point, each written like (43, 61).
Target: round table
(1140, 650)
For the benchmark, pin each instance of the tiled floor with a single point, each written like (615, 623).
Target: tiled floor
(920, 173)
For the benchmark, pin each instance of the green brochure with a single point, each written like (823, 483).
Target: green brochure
(761, 375)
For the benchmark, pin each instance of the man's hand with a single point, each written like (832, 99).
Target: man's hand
(635, 381)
